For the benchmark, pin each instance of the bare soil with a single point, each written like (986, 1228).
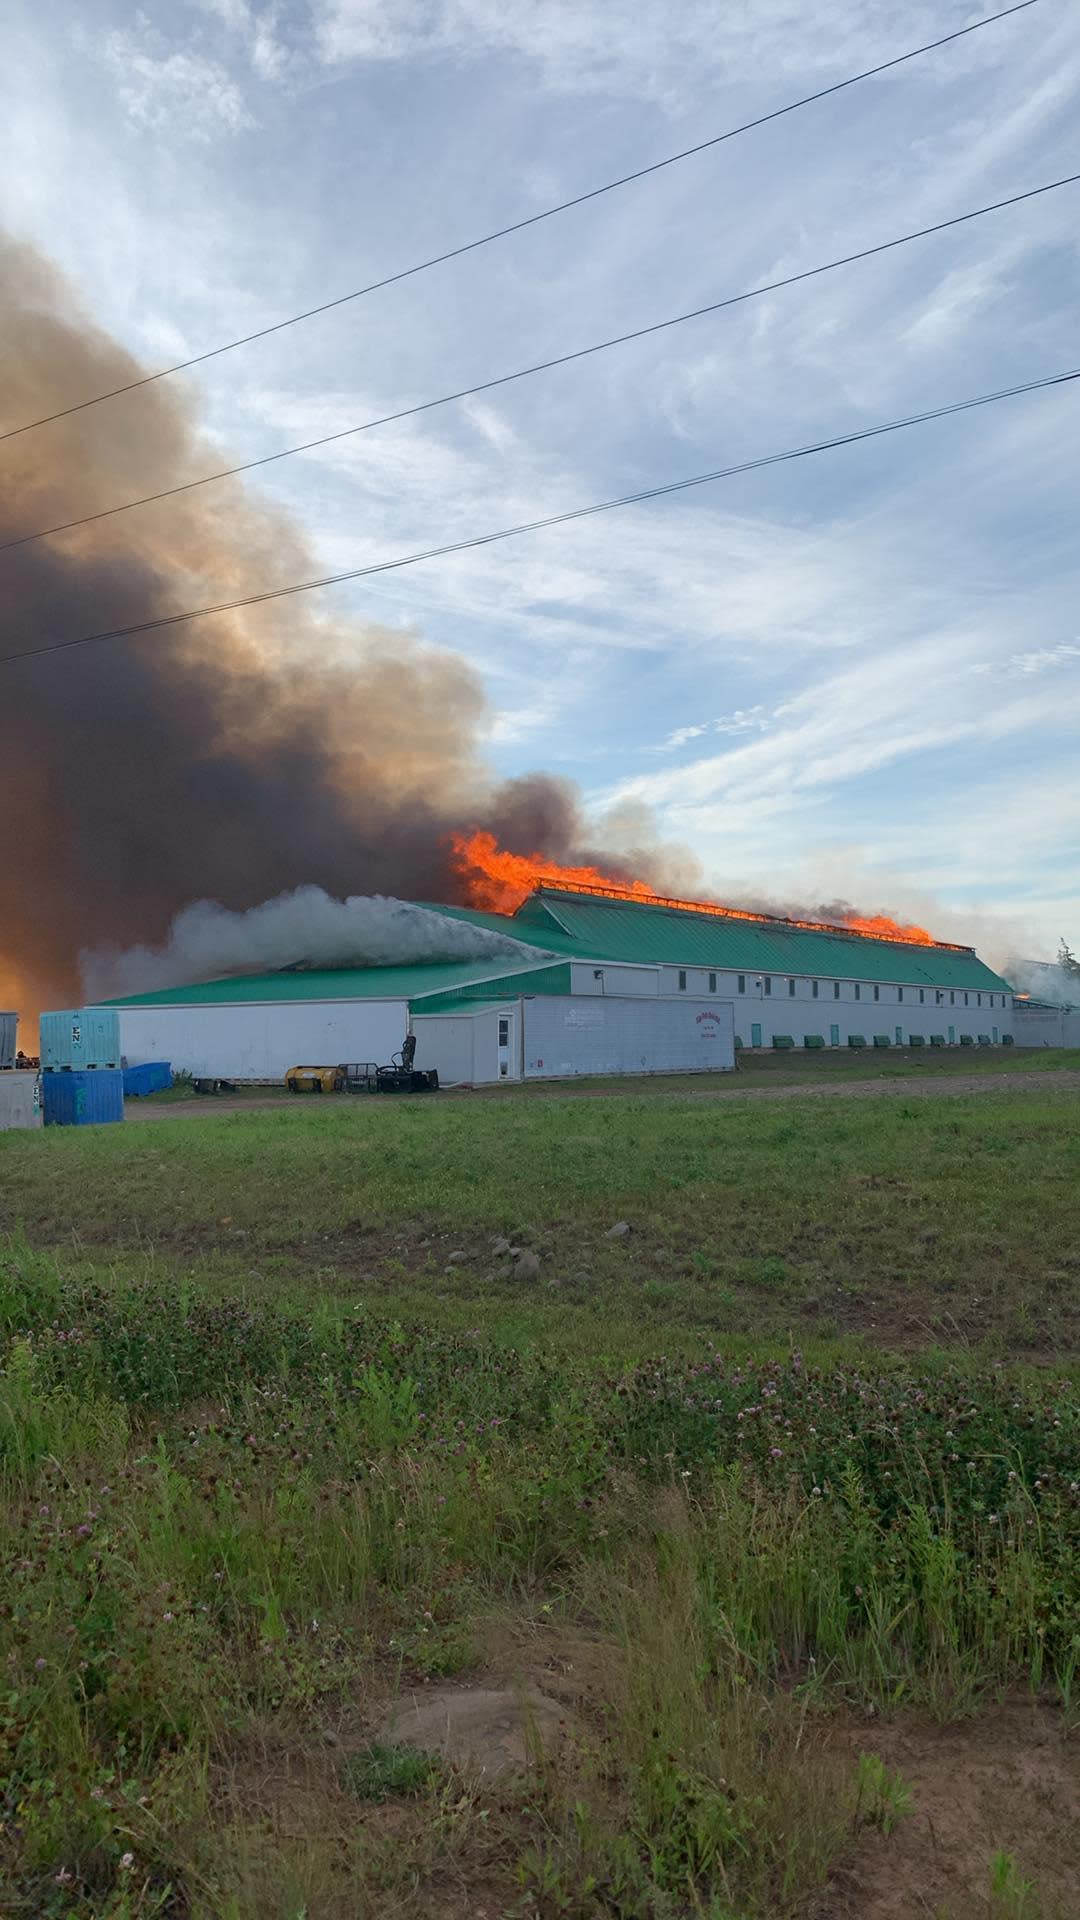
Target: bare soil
(1007, 1781)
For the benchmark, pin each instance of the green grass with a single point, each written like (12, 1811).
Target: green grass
(768, 1067)
(901, 1221)
(267, 1460)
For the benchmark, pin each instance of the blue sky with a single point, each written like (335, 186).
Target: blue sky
(857, 675)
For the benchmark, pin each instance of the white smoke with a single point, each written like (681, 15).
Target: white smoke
(306, 928)
(1044, 980)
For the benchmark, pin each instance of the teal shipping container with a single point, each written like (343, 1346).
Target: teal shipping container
(86, 1097)
(81, 1037)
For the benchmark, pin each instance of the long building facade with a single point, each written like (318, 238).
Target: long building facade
(603, 984)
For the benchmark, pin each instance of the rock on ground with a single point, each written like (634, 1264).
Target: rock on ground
(494, 1730)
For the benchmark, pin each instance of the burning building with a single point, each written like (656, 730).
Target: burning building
(586, 977)
(291, 746)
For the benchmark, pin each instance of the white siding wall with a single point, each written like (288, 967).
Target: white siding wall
(445, 1041)
(613, 979)
(1046, 1027)
(262, 1041)
(588, 1033)
(897, 1006)
(464, 1047)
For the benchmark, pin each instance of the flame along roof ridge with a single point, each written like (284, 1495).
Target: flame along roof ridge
(716, 910)
(635, 930)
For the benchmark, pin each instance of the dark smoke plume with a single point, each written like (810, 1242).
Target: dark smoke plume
(234, 759)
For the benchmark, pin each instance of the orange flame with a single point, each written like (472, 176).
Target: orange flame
(497, 881)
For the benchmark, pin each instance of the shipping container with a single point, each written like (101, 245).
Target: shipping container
(150, 1076)
(8, 1024)
(88, 1097)
(80, 1037)
(20, 1100)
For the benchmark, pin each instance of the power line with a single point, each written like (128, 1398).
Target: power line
(549, 520)
(530, 220)
(540, 366)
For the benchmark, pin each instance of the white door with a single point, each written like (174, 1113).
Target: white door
(504, 1046)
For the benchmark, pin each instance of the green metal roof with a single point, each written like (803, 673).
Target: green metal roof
(634, 931)
(553, 979)
(575, 926)
(336, 983)
(543, 933)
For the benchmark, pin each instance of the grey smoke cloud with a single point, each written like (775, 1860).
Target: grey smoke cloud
(234, 760)
(305, 927)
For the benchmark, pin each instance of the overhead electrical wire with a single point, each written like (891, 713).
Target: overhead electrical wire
(548, 520)
(539, 366)
(529, 220)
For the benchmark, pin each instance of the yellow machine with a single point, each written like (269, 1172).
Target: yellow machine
(315, 1079)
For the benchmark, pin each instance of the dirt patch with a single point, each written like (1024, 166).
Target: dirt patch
(1006, 1782)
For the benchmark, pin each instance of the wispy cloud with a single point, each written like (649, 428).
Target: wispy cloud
(1041, 659)
(161, 88)
(621, 46)
(743, 720)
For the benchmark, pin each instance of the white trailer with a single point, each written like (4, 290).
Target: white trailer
(261, 1040)
(605, 1033)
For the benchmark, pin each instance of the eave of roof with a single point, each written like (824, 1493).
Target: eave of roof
(335, 983)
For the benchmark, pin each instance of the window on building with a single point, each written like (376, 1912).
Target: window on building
(978, 1000)
(768, 984)
(952, 999)
(504, 1033)
(814, 988)
(938, 996)
(836, 989)
(791, 989)
(877, 993)
(900, 995)
(858, 991)
(965, 999)
(682, 980)
(922, 996)
(742, 983)
(712, 983)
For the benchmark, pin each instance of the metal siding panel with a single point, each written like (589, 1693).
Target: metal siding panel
(8, 1027)
(597, 1033)
(445, 1041)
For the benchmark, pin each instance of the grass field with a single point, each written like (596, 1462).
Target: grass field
(776, 1494)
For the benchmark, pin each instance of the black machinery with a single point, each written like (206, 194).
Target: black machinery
(363, 1076)
(402, 1077)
